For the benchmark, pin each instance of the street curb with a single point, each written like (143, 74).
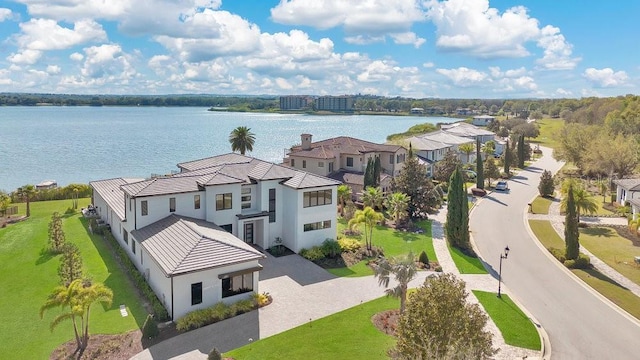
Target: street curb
(575, 277)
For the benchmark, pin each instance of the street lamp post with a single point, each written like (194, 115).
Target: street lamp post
(502, 256)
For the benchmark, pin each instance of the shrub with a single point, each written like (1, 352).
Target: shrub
(558, 254)
(159, 311)
(582, 262)
(262, 299)
(214, 354)
(423, 258)
(438, 268)
(218, 312)
(150, 328)
(70, 211)
(349, 244)
(313, 254)
(331, 248)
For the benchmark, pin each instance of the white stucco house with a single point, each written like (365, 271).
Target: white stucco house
(627, 190)
(196, 235)
(483, 120)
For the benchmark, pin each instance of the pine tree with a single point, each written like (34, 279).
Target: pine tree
(376, 171)
(507, 159)
(571, 233)
(368, 174)
(70, 265)
(457, 225)
(414, 182)
(479, 167)
(56, 233)
(546, 187)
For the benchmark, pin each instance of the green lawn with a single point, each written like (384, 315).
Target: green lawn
(616, 251)
(604, 285)
(349, 334)
(549, 130)
(600, 201)
(394, 243)
(30, 274)
(546, 234)
(466, 264)
(541, 205)
(516, 328)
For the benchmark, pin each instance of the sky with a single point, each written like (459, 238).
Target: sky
(409, 48)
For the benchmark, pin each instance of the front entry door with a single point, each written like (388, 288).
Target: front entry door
(248, 233)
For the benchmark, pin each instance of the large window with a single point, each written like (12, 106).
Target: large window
(196, 293)
(304, 164)
(144, 207)
(317, 225)
(223, 201)
(172, 204)
(349, 161)
(293, 162)
(246, 197)
(227, 227)
(196, 202)
(133, 246)
(125, 237)
(238, 284)
(391, 159)
(317, 198)
(272, 205)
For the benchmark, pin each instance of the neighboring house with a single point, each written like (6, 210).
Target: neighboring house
(47, 185)
(192, 234)
(635, 208)
(627, 190)
(432, 147)
(417, 111)
(482, 120)
(345, 159)
(469, 131)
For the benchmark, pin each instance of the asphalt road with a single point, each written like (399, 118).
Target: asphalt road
(579, 323)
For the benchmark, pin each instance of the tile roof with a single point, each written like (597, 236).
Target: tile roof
(182, 245)
(325, 149)
(628, 184)
(635, 202)
(465, 130)
(229, 158)
(161, 186)
(112, 194)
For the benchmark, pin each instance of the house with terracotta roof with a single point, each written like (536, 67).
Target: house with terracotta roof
(345, 159)
(196, 235)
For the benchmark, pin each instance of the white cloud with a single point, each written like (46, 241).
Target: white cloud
(210, 34)
(283, 84)
(465, 77)
(428, 65)
(408, 38)
(28, 57)
(475, 28)
(53, 69)
(5, 14)
(76, 56)
(563, 93)
(45, 34)
(107, 62)
(606, 77)
(363, 21)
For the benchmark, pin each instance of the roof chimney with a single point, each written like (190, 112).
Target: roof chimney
(306, 141)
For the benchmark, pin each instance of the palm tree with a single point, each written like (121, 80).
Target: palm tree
(344, 195)
(77, 299)
(373, 197)
(369, 217)
(489, 148)
(582, 198)
(404, 270)
(397, 204)
(467, 148)
(26, 193)
(242, 139)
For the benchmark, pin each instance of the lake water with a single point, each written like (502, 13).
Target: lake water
(81, 144)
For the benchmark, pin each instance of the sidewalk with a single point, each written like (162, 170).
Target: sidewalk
(557, 221)
(483, 282)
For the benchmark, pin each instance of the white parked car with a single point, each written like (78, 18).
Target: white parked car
(502, 185)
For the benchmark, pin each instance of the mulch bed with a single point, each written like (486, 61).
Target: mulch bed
(387, 321)
(103, 347)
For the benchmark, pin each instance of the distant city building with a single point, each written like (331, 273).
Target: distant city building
(335, 103)
(482, 120)
(295, 102)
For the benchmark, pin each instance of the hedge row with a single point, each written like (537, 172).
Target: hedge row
(582, 262)
(218, 312)
(159, 311)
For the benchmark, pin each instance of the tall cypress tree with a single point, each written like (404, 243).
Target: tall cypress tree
(376, 171)
(571, 233)
(507, 158)
(479, 167)
(368, 174)
(457, 225)
(521, 152)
